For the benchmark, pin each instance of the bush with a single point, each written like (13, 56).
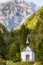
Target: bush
(16, 60)
(39, 63)
(2, 62)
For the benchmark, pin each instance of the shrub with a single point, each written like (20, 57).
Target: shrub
(2, 62)
(39, 63)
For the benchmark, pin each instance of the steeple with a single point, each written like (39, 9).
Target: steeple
(27, 42)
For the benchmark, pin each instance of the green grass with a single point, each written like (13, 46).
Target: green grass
(18, 63)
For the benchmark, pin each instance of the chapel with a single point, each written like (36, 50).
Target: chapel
(27, 54)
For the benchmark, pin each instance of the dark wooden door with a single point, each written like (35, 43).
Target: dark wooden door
(27, 57)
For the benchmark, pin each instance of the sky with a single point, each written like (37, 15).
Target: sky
(38, 2)
(2, 1)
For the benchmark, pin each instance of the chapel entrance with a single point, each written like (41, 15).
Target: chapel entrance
(27, 57)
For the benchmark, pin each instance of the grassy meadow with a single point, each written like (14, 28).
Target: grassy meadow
(22, 63)
(18, 63)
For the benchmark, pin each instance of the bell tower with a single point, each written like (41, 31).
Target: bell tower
(27, 42)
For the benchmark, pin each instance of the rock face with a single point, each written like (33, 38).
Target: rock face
(12, 13)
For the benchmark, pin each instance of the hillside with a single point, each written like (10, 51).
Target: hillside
(33, 27)
(31, 21)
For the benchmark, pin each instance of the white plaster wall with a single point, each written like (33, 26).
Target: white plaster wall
(23, 55)
(33, 56)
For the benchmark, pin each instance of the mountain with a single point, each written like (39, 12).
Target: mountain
(12, 13)
(31, 22)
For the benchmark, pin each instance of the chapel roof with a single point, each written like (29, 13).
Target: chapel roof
(27, 49)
